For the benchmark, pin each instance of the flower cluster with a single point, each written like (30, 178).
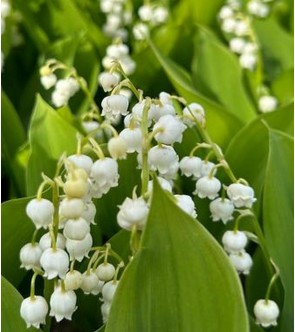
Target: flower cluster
(236, 23)
(64, 88)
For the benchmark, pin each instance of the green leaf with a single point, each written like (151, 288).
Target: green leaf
(278, 216)
(10, 309)
(50, 136)
(212, 64)
(12, 142)
(277, 46)
(178, 279)
(264, 157)
(221, 124)
(16, 230)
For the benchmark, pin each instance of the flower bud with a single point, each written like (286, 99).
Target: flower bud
(71, 208)
(89, 281)
(48, 81)
(140, 31)
(76, 229)
(266, 313)
(160, 15)
(117, 148)
(105, 271)
(73, 280)
(145, 13)
(267, 104)
(237, 45)
(108, 290)
(40, 211)
(76, 188)
(248, 60)
(34, 311)
(234, 242)
(81, 161)
(62, 304)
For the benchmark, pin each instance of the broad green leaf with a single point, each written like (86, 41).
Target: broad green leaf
(178, 279)
(278, 216)
(16, 230)
(283, 87)
(13, 136)
(277, 46)
(10, 309)
(264, 157)
(218, 70)
(221, 124)
(50, 136)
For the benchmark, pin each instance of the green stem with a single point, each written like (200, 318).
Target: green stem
(55, 201)
(92, 259)
(97, 148)
(32, 292)
(34, 236)
(272, 281)
(120, 265)
(145, 147)
(134, 240)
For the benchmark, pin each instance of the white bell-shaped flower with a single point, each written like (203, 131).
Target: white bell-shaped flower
(114, 105)
(76, 229)
(258, 8)
(117, 50)
(76, 188)
(40, 211)
(117, 148)
(104, 174)
(141, 31)
(71, 208)
(137, 111)
(160, 15)
(133, 212)
(73, 280)
(163, 159)
(225, 12)
(248, 60)
(89, 212)
(109, 289)
(207, 168)
(241, 195)
(222, 209)
(45, 241)
(34, 310)
(266, 313)
(229, 25)
(242, 28)
(59, 99)
(242, 262)
(207, 187)
(90, 126)
(55, 262)
(30, 255)
(165, 98)
(171, 129)
(237, 45)
(165, 184)
(108, 81)
(194, 112)
(145, 13)
(186, 203)
(132, 138)
(105, 271)
(105, 311)
(89, 281)
(78, 249)
(81, 161)
(62, 304)
(267, 104)
(234, 242)
(162, 110)
(48, 81)
(191, 166)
